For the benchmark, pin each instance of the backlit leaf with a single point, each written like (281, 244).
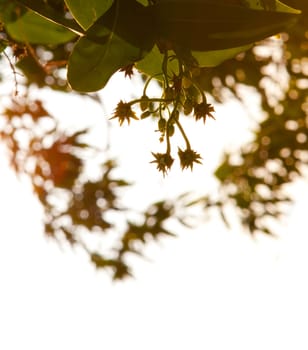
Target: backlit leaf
(92, 64)
(44, 9)
(35, 29)
(87, 12)
(119, 38)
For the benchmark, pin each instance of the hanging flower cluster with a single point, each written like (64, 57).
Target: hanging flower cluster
(181, 95)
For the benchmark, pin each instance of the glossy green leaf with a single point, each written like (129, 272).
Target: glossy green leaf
(87, 12)
(44, 9)
(119, 38)
(35, 29)
(92, 64)
(213, 46)
(204, 25)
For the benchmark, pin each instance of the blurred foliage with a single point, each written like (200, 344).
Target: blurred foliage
(254, 178)
(78, 209)
(74, 206)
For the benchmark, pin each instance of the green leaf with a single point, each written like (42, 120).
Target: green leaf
(215, 57)
(42, 8)
(7, 11)
(280, 7)
(91, 65)
(273, 5)
(3, 45)
(119, 38)
(35, 29)
(203, 25)
(226, 31)
(151, 64)
(87, 12)
(143, 2)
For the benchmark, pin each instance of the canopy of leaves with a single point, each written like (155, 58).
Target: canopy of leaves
(95, 39)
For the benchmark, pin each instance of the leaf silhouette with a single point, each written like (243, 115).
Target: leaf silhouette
(215, 25)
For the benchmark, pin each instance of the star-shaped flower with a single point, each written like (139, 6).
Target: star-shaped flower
(188, 158)
(128, 70)
(203, 110)
(124, 112)
(164, 161)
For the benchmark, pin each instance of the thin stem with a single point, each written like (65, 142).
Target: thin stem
(148, 82)
(14, 72)
(165, 68)
(150, 100)
(204, 99)
(180, 67)
(178, 124)
(168, 138)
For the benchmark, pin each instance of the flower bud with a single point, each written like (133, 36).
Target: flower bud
(144, 103)
(162, 125)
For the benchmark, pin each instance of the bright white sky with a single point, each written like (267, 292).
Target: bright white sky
(211, 288)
